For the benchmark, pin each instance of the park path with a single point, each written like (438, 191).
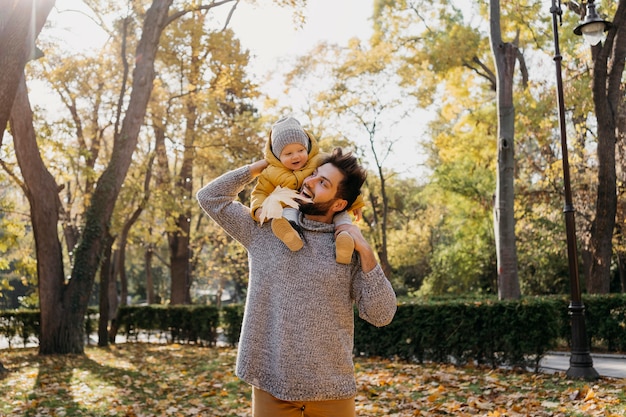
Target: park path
(608, 365)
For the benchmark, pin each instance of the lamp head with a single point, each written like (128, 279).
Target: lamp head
(592, 28)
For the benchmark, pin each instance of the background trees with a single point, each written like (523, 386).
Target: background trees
(63, 304)
(110, 169)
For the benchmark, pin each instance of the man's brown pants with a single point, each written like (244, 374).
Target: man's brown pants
(266, 405)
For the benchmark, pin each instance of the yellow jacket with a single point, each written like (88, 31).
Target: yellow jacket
(277, 174)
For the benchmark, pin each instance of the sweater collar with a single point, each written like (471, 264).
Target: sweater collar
(314, 226)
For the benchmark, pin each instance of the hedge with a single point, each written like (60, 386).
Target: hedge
(512, 333)
(23, 325)
(177, 323)
(498, 333)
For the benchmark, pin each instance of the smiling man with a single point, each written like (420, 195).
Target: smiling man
(296, 341)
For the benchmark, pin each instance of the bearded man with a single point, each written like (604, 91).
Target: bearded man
(296, 343)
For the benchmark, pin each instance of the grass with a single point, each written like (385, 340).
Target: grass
(138, 380)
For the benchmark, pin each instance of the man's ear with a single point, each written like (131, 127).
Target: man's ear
(339, 205)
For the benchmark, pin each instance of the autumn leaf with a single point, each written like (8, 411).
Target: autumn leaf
(272, 207)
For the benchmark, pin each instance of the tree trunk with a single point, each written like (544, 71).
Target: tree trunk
(178, 239)
(113, 298)
(608, 69)
(112, 290)
(18, 31)
(504, 214)
(105, 305)
(179, 264)
(42, 192)
(149, 279)
(383, 253)
(116, 262)
(108, 317)
(621, 270)
(379, 242)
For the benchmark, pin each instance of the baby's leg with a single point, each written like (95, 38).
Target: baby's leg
(344, 244)
(291, 214)
(283, 229)
(340, 218)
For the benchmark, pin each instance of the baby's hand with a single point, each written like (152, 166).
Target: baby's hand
(358, 213)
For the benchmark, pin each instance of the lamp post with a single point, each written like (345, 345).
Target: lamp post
(581, 363)
(593, 27)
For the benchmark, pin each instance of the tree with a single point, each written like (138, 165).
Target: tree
(460, 195)
(19, 26)
(445, 58)
(63, 302)
(114, 264)
(63, 307)
(77, 147)
(505, 56)
(409, 231)
(608, 98)
(204, 85)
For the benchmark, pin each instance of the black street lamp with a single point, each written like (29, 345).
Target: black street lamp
(593, 27)
(581, 363)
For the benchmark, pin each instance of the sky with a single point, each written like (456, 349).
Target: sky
(272, 38)
(269, 33)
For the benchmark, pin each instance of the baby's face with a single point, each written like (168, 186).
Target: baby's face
(294, 156)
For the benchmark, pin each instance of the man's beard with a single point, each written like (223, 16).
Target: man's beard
(316, 209)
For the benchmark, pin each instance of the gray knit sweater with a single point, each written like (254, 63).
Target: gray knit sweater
(298, 327)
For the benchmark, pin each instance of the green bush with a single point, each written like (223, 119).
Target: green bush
(232, 318)
(513, 333)
(179, 323)
(19, 324)
(488, 331)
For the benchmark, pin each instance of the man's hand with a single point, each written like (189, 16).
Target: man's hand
(366, 254)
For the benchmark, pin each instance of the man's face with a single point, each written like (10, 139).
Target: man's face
(321, 188)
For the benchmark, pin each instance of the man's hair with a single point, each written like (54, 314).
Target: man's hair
(353, 175)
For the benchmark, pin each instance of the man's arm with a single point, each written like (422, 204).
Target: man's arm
(218, 197)
(372, 291)
(365, 251)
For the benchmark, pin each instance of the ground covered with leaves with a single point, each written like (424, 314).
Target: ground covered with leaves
(180, 380)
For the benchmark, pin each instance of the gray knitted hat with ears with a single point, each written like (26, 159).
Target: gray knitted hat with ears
(285, 131)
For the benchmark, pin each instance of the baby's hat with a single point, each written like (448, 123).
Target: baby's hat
(285, 131)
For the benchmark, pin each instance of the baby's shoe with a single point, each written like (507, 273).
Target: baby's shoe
(344, 246)
(287, 234)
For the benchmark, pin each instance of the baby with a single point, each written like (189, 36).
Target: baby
(293, 154)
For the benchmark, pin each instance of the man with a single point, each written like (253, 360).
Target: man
(297, 336)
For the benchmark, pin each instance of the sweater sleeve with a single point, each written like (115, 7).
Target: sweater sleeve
(374, 296)
(217, 199)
